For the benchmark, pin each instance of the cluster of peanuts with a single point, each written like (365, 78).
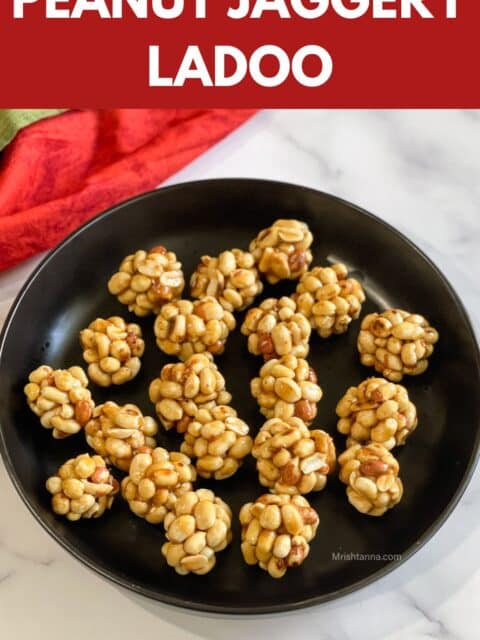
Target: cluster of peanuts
(197, 528)
(376, 411)
(186, 387)
(155, 480)
(146, 280)
(329, 299)
(282, 251)
(112, 348)
(377, 416)
(231, 278)
(286, 388)
(276, 328)
(276, 531)
(371, 475)
(183, 328)
(190, 397)
(60, 399)
(219, 442)
(117, 433)
(291, 458)
(396, 343)
(83, 487)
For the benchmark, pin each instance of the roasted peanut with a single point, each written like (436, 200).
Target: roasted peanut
(156, 480)
(376, 411)
(371, 475)
(117, 433)
(147, 280)
(276, 329)
(329, 299)
(276, 531)
(291, 459)
(231, 278)
(284, 389)
(112, 348)
(60, 399)
(198, 527)
(82, 488)
(184, 388)
(184, 328)
(396, 343)
(219, 440)
(283, 250)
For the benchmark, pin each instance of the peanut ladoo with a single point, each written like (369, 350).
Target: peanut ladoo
(182, 389)
(146, 280)
(197, 528)
(287, 387)
(329, 299)
(83, 487)
(183, 328)
(396, 343)
(276, 328)
(282, 251)
(371, 475)
(376, 411)
(292, 458)
(60, 398)
(276, 532)
(231, 278)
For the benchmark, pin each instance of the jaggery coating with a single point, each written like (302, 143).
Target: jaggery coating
(197, 528)
(183, 328)
(275, 328)
(287, 387)
(118, 432)
(146, 280)
(83, 487)
(231, 277)
(376, 411)
(218, 440)
(396, 343)
(371, 475)
(329, 299)
(292, 458)
(184, 388)
(112, 348)
(60, 398)
(282, 251)
(156, 479)
(276, 532)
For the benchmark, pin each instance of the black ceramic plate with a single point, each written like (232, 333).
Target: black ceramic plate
(69, 289)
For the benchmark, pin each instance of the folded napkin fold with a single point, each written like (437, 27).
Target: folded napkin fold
(60, 172)
(14, 120)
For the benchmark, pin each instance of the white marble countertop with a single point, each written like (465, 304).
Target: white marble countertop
(420, 172)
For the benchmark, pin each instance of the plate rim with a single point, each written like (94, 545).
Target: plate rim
(241, 610)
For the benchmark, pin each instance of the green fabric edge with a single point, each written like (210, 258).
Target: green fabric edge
(14, 120)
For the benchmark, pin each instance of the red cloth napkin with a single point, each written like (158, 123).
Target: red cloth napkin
(62, 171)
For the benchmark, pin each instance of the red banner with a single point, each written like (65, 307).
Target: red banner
(243, 53)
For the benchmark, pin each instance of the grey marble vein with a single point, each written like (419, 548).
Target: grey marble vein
(440, 629)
